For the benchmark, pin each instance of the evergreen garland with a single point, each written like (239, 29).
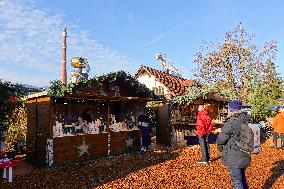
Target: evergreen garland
(196, 91)
(57, 89)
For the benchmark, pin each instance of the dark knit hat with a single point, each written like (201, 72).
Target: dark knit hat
(235, 105)
(277, 108)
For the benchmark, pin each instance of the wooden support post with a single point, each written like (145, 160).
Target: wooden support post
(107, 118)
(218, 112)
(36, 130)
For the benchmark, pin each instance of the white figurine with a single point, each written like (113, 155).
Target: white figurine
(113, 119)
(133, 119)
(96, 130)
(85, 127)
(98, 122)
(81, 123)
(57, 129)
(93, 129)
(114, 127)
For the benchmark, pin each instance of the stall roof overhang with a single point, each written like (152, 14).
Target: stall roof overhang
(217, 97)
(37, 95)
(89, 96)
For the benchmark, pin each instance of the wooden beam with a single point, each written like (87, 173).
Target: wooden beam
(107, 118)
(106, 98)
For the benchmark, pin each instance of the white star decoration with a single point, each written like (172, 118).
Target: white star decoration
(84, 148)
(129, 142)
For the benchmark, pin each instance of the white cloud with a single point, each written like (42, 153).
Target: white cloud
(22, 79)
(31, 37)
(164, 34)
(216, 4)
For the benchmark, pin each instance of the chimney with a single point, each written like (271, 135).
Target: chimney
(63, 64)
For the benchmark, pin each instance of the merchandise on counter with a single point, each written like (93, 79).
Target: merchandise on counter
(179, 135)
(120, 126)
(82, 127)
(94, 128)
(217, 121)
(217, 131)
(57, 129)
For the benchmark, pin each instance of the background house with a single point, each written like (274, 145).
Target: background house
(162, 82)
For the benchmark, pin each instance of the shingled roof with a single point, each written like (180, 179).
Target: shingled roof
(176, 85)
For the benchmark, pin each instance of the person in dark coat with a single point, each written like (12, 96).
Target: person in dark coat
(86, 116)
(204, 126)
(236, 160)
(144, 124)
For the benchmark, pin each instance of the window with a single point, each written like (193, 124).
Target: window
(160, 90)
(155, 90)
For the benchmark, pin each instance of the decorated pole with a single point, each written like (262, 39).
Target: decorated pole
(63, 64)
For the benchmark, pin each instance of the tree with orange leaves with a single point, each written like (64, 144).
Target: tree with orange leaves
(237, 67)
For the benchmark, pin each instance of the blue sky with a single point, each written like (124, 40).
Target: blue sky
(121, 35)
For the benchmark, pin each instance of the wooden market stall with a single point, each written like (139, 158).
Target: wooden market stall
(57, 134)
(179, 126)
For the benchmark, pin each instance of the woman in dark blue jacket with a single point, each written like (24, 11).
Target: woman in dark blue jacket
(236, 160)
(144, 124)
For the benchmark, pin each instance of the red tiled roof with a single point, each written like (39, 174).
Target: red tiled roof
(176, 85)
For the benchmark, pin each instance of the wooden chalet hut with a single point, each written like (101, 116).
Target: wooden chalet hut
(56, 134)
(178, 124)
(184, 118)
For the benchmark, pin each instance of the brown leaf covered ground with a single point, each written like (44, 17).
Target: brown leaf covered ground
(166, 168)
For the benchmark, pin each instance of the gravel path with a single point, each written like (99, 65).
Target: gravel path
(167, 168)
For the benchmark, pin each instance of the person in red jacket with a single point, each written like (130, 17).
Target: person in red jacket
(204, 127)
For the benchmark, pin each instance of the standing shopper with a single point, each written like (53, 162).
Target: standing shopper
(232, 156)
(278, 127)
(204, 126)
(145, 127)
(86, 115)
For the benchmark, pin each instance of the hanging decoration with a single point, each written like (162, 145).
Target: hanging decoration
(129, 142)
(83, 149)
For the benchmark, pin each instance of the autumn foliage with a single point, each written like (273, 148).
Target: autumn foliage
(238, 68)
(13, 112)
(17, 130)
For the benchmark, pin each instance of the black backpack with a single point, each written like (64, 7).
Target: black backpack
(246, 142)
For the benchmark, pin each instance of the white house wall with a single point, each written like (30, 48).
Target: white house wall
(150, 82)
